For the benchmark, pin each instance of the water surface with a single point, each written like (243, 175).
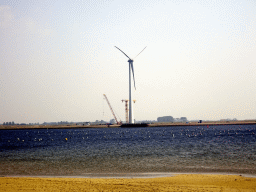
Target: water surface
(79, 152)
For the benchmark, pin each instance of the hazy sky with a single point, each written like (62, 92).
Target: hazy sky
(58, 58)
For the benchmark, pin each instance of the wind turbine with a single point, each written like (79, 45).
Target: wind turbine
(130, 61)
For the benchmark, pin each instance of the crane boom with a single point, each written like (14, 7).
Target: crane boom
(111, 109)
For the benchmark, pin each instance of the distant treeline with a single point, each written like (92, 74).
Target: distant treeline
(9, 123)
(12, 123)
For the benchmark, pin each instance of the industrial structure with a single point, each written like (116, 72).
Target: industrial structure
(118, 122)
(126, 109)
(131, 70)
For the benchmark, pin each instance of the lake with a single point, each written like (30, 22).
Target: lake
(79, 152)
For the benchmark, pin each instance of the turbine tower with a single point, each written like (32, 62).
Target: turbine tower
(131, 71)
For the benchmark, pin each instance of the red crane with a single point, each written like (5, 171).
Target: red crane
(119, 123)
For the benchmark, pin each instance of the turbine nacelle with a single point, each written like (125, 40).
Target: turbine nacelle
(130, 62)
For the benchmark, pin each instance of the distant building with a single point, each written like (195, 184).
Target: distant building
(113, 121)
(50, 123)
(63, 123)
(183, 119)
(147, 121)
(165, 119)
(97, 122)
(228, 119)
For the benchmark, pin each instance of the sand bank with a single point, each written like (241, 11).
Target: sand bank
(182, 182)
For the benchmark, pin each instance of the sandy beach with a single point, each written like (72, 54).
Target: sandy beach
(179, 182)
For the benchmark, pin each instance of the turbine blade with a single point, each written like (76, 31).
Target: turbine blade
(133, 74)
(140, 52)
(122, 52)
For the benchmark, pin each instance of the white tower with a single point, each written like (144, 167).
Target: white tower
(131, 71)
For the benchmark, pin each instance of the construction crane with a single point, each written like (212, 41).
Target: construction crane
(126, 109)
(119, 123)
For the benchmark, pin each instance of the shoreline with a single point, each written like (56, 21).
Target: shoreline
(179, 182)
(207, 123)
(146, 175)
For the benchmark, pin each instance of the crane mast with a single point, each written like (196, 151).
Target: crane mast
(126, 109)
(111, 109)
